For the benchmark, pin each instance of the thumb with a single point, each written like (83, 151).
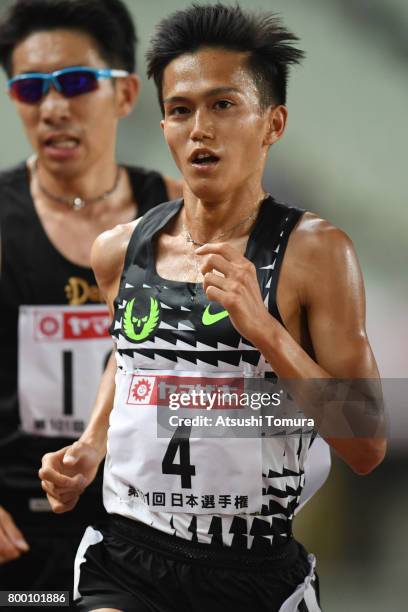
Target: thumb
(70, 457)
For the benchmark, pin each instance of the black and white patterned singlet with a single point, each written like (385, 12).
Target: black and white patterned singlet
(233, 492)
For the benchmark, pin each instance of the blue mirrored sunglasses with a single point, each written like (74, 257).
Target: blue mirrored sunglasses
(32, 86)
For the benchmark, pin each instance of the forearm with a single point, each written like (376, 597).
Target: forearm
(347, 413)
(95, 433)
(285, 356)
(67, 472)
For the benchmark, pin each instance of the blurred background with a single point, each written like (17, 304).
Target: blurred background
(344, 156)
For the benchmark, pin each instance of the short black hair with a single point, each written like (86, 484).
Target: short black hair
(108, 22)
(268, 43)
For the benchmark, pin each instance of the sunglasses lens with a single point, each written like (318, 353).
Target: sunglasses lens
(27, 90)
(77, 83)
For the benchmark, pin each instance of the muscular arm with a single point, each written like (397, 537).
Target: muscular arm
(107, 259)
(331, 291)
(325, 281)
(67, 472)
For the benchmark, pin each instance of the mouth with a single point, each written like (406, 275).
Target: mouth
(204, 159)
(60, 147)
(61, 142)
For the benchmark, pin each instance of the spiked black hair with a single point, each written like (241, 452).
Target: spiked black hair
(268, 43)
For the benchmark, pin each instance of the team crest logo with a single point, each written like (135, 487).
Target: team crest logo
(142, 390)
(138, 327)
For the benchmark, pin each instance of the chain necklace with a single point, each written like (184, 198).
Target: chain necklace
(191, 240)
(77, 203)
(253, 214)
(189, 237)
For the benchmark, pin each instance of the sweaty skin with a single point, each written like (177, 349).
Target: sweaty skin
(211, 105)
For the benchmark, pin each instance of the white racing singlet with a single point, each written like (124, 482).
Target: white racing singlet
(240, 492)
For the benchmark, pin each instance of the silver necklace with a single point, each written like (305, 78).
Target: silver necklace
(77, 203)
(189, 237)
(191, 240)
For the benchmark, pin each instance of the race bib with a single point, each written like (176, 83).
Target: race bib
(180, 472)
(62, 352)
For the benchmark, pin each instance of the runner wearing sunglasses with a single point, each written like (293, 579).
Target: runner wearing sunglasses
(71, 68)
(225, 282)
(30, 88)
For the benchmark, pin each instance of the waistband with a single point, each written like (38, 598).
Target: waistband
(135, 532)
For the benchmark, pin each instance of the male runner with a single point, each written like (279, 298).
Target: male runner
(224, 283)
(71, 67)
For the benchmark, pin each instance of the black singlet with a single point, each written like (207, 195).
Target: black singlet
(34, 272)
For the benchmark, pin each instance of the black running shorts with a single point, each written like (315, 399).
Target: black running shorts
(135, 568)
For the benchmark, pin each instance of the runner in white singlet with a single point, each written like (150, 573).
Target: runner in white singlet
(223, 289)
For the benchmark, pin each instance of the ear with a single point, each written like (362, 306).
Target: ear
(162, 124)
(276, 117)
(127, 92)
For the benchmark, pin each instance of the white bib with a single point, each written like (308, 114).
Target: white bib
(62, 352)
(192, 475)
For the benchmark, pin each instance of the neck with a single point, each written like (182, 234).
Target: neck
(206, 219)
(85, 183)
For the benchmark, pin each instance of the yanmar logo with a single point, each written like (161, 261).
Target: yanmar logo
(203, 392)
(79, 326)
(53, 326)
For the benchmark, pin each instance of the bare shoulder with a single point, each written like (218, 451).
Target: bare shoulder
(174, 187)
(320, 259)
(109, 250)
(315, 239)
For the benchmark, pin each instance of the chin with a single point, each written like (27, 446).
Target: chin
(208, 190)
(67, 168)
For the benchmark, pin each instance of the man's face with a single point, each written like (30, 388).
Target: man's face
(68, 134)
(213, 124)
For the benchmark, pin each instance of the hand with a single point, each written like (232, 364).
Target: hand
(66, 473)
(234, 285)
(12, 542)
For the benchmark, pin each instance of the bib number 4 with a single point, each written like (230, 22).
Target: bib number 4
(179, 443)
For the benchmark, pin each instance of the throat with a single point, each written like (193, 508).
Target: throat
(76, 193)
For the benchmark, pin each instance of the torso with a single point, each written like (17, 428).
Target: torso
(180, 345)
(174, 261)
(45, 270)
(73, 232)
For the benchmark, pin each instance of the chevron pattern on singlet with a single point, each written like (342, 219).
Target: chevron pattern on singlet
(182, 342)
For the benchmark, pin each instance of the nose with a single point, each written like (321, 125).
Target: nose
(54, 108)
(203, 127)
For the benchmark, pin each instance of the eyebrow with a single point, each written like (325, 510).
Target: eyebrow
(42, 71)
(208, 94)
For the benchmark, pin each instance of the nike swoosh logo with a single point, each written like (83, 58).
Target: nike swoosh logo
(210, 319)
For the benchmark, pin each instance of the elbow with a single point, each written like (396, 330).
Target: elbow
(372, 453)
